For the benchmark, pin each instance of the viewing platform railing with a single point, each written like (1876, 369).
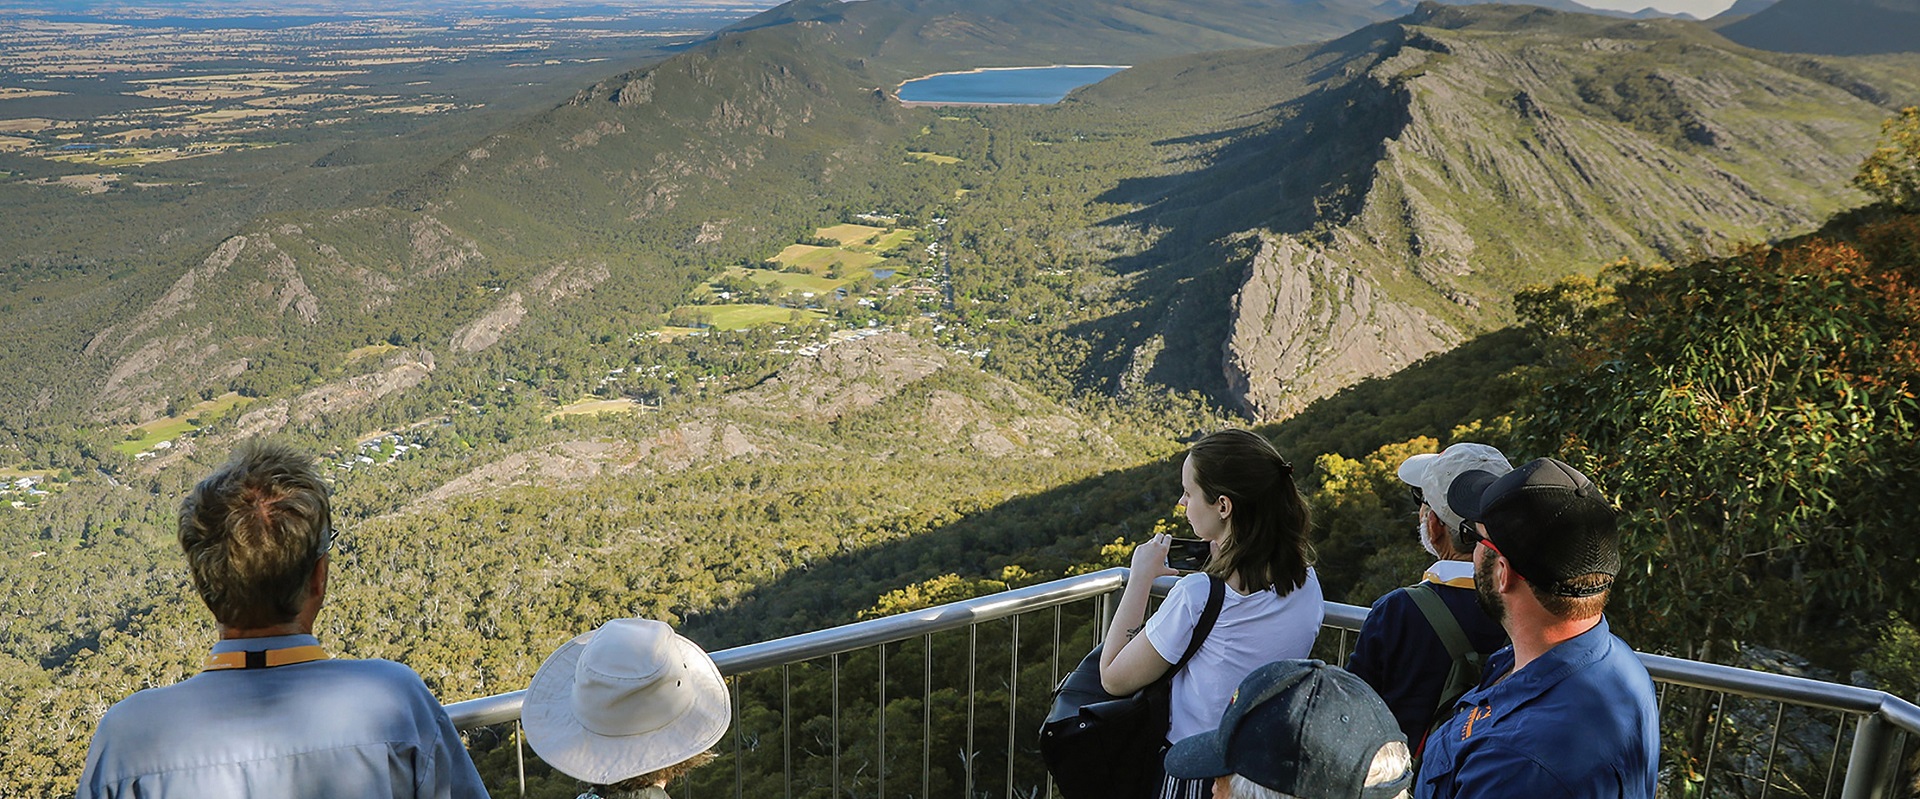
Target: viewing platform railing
(1740, 733)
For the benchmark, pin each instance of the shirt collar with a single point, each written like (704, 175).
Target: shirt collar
(268, 642)
(1455, 573)
(1544, 672)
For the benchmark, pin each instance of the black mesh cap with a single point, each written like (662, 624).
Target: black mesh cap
(1300, 727)
(1549, 521)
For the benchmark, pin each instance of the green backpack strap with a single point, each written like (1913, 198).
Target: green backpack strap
(1466, 660)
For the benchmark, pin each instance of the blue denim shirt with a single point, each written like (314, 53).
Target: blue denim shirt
(360, 728)
(1579, 721)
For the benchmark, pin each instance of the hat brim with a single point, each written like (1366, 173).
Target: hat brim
(559, 738)
(1413, 471)
(1464, 495)
(1198, 757)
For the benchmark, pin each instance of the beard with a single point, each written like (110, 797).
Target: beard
(1420, 532)
(1483, 593)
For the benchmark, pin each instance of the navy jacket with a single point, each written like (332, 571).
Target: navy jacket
(1398, 653)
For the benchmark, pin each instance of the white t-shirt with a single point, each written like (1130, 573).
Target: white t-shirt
(1253, 630)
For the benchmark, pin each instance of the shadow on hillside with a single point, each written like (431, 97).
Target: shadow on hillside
(1306, 165)
(1051, 530)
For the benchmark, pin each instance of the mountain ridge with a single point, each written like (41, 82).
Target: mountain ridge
(1375, 154)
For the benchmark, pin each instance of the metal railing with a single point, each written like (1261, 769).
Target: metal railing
(1700, 706)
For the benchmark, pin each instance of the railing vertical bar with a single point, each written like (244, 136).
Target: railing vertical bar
(1875, 754)
(1833, 761)
(833, 724)
(926, 721)
(520, 754)
(1053, 672)
(1718, 712)
(739, 685)
(1773, 749)
(973, 656)
(1013, 699)
(1340, 656)
(881, 770)
(786, 727)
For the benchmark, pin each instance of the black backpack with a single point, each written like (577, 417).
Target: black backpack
(1100, 746)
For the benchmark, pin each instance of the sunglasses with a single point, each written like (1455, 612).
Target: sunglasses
(1419, 497)
(1470, 533)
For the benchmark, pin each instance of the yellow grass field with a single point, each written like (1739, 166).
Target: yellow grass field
(170, 427)
(849, 234)
(10, 144)
(742, 317)
(821, 259)
(136, 156)
(935, 158)
(231, 114)
(29, 125)
(588, 407)
(892, 240)
(91, 184)
(200, 92)
(18, 93)
(369, 351)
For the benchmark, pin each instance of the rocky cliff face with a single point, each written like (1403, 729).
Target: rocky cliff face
(1306, 324)
(1534, 145)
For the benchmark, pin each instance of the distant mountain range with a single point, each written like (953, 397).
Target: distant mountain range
(1744, 8)
(1832, 27)
(1348, 208)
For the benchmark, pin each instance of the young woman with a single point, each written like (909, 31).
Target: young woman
(1239, 497)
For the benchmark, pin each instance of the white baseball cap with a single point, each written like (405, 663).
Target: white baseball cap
(1433, 474)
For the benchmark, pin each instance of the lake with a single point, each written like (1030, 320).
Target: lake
(1019, 85)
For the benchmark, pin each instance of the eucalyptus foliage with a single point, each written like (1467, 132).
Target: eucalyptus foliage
(1755, 419)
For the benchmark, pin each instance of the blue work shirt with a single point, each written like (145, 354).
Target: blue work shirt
(1579, 721)
(1399, 654)
(325, 728)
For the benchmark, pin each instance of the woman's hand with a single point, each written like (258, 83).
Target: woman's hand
(1150, 559)
(1128, 663)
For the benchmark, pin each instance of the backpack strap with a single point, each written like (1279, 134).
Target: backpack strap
(1216, 597)
(1441, 620)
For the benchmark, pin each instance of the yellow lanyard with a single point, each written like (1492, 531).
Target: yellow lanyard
(263, 658)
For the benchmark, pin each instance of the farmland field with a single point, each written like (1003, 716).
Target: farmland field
(743, 317)
(789, 281)
(849, 234)
(588, 407)
(821, 259)
(168, 428)
(935, 158)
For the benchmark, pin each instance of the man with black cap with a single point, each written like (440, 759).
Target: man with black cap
(1567, 710)
(1299, 729)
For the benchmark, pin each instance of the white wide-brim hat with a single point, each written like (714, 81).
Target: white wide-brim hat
(627, 699)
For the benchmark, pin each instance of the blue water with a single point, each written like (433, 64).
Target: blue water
(1025, 86)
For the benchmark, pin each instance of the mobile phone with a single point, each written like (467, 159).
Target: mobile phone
(1188, 554)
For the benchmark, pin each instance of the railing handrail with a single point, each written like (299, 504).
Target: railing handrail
(502, 708)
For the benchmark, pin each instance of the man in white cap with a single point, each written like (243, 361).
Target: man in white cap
(626, 709)
(1421, 646)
